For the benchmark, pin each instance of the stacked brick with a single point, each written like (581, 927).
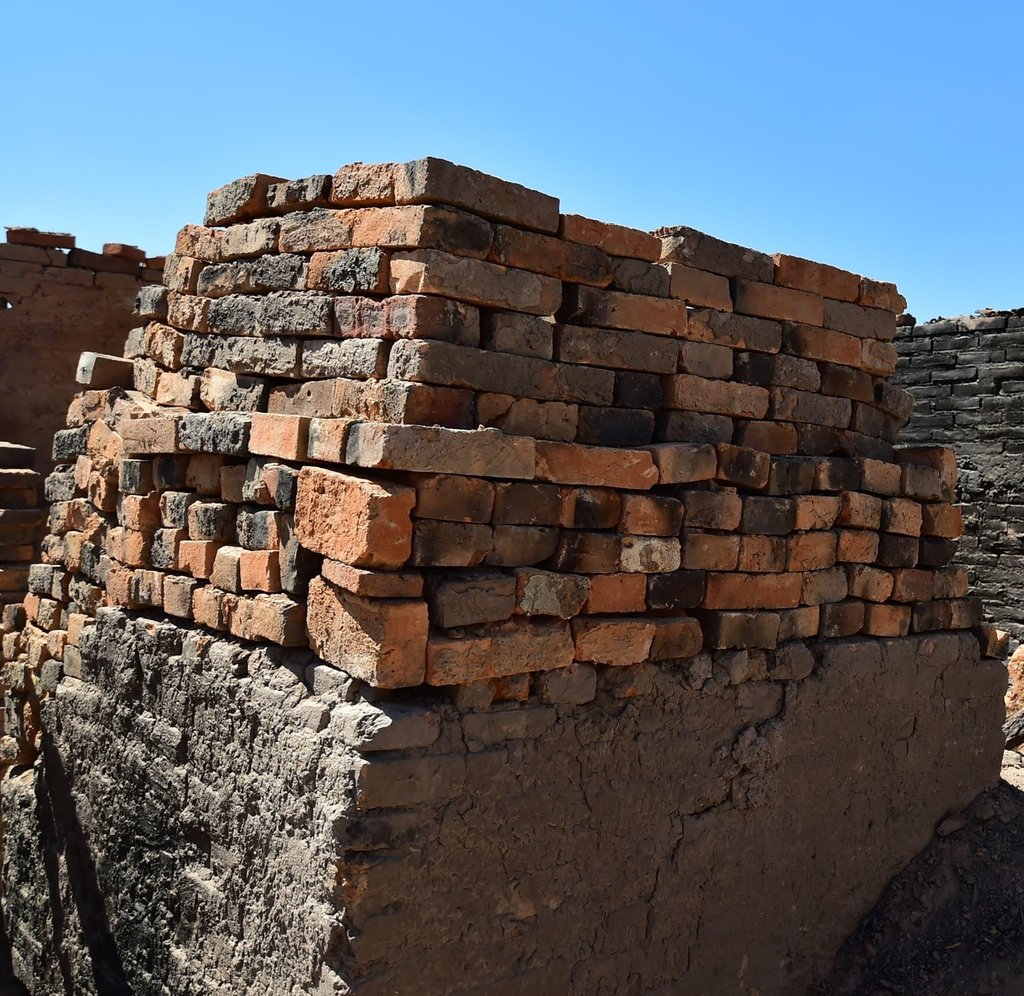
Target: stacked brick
(55, 301)
(966, 376)
(414, 418)
(20, 519)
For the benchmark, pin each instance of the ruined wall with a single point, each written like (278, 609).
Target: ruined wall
(967, 378)
(56, 301)
(447, 595)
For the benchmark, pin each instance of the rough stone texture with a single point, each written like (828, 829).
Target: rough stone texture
(296, 838)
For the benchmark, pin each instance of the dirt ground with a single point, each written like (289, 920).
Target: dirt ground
(952, 923)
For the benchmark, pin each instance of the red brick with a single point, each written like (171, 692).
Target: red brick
(769, 301)
(710, 551)
(515, 647)
(816, 278)
(569, 463)
(615, 310)
(942, 519)
(615, 240)
(356, 521)
(616, 593)
(699, 288)
(454, 498)
(753, 630)
(380, 641)
(762, 554)
(857, 546)
(683, 463)
(675, 638)
(869, 583)
(650, 515)
(886, 620)
(752, 591)
(373, 584)
(614, 640)
(686, 392)
(428, 271)
(283, 436)
(811, 551)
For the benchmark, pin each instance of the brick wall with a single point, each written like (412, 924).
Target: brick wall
(446, 594)
(966, 375)
(55, 301)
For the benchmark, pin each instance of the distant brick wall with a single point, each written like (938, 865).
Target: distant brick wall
(56, 301)
(967, 378)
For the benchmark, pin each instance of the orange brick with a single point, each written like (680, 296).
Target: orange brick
(902, 516)
(859, 511)
(753, 591)
(283, 436)
(260, 570)
(942, 519)
(676, 638)
(769, 301)
(869, 583)
(571, 463)
(373, 584)
(710, 551)
(762, 554)
(699, 288)
(279, 619)
(812, 551)
(616, 240)
(816, 278)
(857, 546)
(814, 512)
(614, 640)
(357, 521)
(380, 641)
(616, 593)
(516, 647)
(650, 515)
(686, 392)
(196, 557)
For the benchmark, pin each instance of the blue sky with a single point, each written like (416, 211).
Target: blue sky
(884, 138)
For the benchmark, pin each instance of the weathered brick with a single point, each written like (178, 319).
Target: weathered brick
(613, 640)
(381, 641)
(438, 450)
(428, 271)
(690, 393)
(567, 463)
(515, 647)
(615, 310)
(357, 521)
(768, 301)
(699, 288)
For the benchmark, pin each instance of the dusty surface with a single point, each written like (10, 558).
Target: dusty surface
(952, 923)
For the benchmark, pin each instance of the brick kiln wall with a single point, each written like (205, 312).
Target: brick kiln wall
(447, 595)
(55, 301)
(967, 378)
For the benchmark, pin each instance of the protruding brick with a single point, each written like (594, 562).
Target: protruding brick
(357, 521)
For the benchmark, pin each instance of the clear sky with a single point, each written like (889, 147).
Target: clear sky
(886, 138)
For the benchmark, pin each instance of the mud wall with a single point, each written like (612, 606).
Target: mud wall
(55, 302)
(966, 375)
(448, 595)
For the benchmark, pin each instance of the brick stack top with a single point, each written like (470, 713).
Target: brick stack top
(58, 250)
(416, 419)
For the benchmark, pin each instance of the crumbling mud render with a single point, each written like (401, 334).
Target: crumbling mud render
(214, 826)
